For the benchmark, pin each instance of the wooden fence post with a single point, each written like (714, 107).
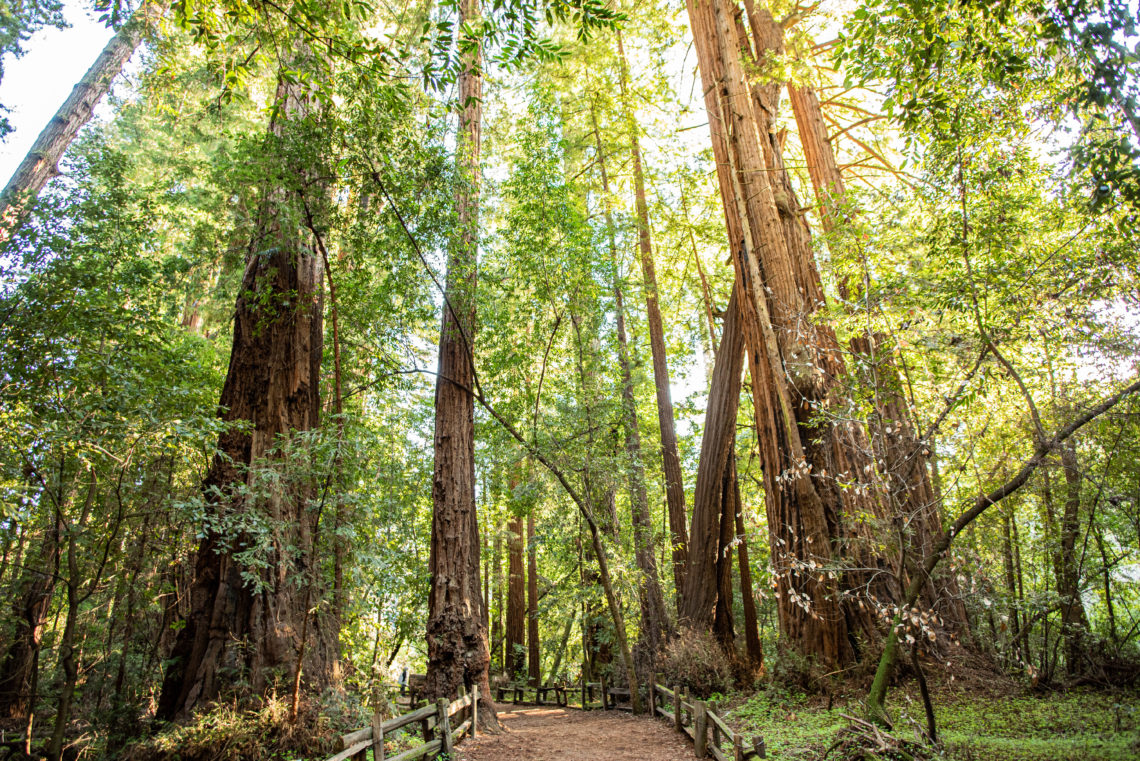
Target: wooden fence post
(737, 748)
(700, 728)
(677, 717)
(652, 695)
(605, 695)
(474, 710)
(760, 746)
(377, 737)
(443, 725)
(715, 707)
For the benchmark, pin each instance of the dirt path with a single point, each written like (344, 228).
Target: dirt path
(550, 734)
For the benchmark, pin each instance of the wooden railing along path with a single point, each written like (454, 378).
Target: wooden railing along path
(435, 724)
(705, 727)
(698, 719)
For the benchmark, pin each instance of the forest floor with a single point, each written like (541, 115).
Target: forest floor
(547, 733)
(975, 722)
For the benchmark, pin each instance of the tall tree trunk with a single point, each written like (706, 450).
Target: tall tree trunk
(31, 604)
(674, 482)
(497, 604)
(655, 627)
(911, 494)
(516, 600)
(795, 363)
(534, 651)
(723, 625)
(1075, 624)
(717, 443)
(42, 161)
(458, 653)
(236, 630)
(753, 649)
(819, 154)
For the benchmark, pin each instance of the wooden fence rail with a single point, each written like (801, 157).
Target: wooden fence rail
(699, 719)
(436, 731)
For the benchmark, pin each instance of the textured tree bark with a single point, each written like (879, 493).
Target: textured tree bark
(655, 627)
(910, 493)
(236, 630)
(724, 628)
(458, 653)
(516, 600)
(753, 650)
(534, 652)
(42, 161)
(826, 178)
(674, 482)
(1075, 624)
(701, 590)
(806, 445)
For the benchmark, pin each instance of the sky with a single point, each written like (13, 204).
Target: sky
(35, 85)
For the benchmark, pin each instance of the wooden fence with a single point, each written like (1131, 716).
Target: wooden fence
(435, 725)
(700, 721)
(564, 696)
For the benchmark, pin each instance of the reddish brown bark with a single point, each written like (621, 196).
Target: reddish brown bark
(753, 651)
(701, 590)
(655, 627)
(235, 630)
(534, 652)
(794, 362)
(42, 161)
(904, 464)
(723, 625)
(458, 653)
(671, 462)
(516, 600)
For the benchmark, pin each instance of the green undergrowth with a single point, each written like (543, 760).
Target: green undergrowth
(231, 733)
(973, 725)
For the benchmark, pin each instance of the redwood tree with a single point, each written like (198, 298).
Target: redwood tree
(458, 653)
(238, 628)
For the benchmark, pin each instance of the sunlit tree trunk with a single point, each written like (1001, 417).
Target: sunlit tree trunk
(903, 463)
(674, 482)
(237, 630)
(655, 627)
(806, 442)
(458, 653)
(42, 161)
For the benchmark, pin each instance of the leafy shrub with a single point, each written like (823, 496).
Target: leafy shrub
(696, 661)
(226, 733)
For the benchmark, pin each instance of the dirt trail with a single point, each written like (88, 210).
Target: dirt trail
(560, 734)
